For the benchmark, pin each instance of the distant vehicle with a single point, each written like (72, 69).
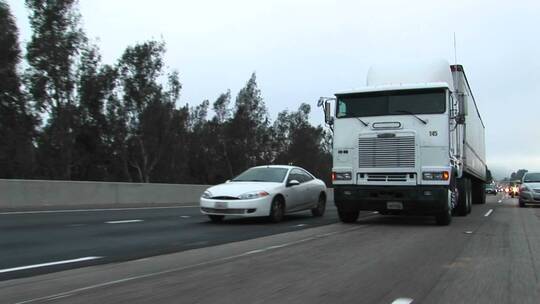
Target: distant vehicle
(529, 193)
(490, 189)
(271, 191)
(410, 142)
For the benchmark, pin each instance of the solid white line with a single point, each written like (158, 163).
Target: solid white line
(123, 222)
(153, 274)
(50, 264)
(402, 301)
(94, 210)
(489, 212)
(185, 216)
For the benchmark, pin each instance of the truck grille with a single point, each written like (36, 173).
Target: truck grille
(383, 177)
(390, 152)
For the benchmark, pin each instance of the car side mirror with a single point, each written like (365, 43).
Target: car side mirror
(292, 183)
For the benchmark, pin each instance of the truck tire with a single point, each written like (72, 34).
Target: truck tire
(478, 192)
(469, 192)
(444, 218)
(348, 216)
(463, 204)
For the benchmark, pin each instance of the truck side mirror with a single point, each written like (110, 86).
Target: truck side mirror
(328, 113)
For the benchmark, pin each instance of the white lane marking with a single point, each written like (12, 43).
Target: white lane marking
(94, 210)
(76, 225)
(185, 216)
(123, 222)
(402, 301)
(50, 264)
(375, 212)
(500, 201)
(300, 225)
(489, 212)
(153, 274)
(468, 232)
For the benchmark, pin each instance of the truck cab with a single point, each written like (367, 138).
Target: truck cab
(398, 147)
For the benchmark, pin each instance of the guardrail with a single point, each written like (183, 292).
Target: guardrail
(24, 194)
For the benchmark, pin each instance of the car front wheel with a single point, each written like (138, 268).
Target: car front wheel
(277, 210)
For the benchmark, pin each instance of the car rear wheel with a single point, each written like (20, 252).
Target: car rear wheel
(321, 206)
(216, 218)
(277, 210)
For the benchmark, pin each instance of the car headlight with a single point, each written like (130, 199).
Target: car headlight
(206, 194)
(342, 175)
(442, 175)
(253, 194)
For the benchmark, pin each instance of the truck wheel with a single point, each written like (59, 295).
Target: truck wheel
(321, 206)
(469, 192)
(216, 218)
(463, 204)
(478, 192)
(348, 216)
(445, 217)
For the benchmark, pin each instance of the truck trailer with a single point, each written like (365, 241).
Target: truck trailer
(409, 142)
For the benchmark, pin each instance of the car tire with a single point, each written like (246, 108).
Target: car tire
(521, 204)
(348, 216)
(321, 206)
(277, 210)
(216, 218)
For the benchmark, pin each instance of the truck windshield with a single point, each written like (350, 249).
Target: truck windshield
(432, 101)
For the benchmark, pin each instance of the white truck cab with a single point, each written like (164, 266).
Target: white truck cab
(409, 142)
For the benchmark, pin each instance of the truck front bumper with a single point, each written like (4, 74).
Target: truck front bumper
(418, 200)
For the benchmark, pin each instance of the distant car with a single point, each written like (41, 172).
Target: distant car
(529, 193)
(270, 191)
(490, 189)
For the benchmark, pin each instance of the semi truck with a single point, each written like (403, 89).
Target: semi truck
(410, 142)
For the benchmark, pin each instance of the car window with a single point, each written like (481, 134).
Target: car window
(262, 174)
(297, 175)
(532, 178)
(306, 176)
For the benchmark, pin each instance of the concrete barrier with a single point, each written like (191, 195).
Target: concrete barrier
(45, 194)
(24, 194)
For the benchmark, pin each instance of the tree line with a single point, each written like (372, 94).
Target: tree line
(66, 115)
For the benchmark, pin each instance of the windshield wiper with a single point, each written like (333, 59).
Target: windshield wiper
(363, 122)
(411, 113)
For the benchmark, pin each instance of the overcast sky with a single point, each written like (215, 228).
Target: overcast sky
(303, 49)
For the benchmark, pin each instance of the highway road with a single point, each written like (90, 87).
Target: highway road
(98, 236)
(490, 256)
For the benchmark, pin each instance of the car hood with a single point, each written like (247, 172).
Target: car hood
(533, 185)
(235, 189)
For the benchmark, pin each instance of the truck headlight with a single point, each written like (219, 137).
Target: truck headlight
(206, 194)
(341, 175)
(436, 176)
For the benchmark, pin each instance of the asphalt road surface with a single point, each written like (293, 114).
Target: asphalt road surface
(490, 256)
(91, 237)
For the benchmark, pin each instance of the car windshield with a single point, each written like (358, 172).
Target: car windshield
(272, 175)
(532, 178)
(391, 103)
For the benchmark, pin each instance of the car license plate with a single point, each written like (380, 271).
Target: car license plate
(394, 205)
(220, 205)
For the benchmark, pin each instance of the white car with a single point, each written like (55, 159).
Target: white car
(269, 191)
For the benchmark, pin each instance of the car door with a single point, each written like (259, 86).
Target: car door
(294, 195)
(310, 188)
